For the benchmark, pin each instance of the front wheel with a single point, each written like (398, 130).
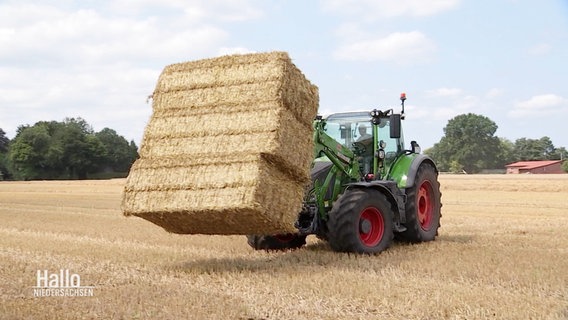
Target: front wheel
(423, 207)
(278, 242)
(361, 221)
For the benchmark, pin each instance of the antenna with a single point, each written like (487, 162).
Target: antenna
(402, 99)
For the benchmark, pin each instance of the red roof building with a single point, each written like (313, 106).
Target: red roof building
(545, 166)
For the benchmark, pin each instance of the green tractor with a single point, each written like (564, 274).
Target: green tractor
(367, 188)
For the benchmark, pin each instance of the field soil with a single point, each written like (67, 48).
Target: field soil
(502, 253)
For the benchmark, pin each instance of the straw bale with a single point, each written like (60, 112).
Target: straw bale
(252, 78)
(195, 98)
(272, 131)
(228, 147)
(228, 69)
(243, 195)
(229, 75)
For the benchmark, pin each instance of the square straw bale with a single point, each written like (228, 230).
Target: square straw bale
(236, 80)
(256, 130)
(228, 147)
(239, 195)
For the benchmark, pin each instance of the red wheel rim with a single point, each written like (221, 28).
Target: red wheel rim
(284, 237)
(371, 226)
(425, 205)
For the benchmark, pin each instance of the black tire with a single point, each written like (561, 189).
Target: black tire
(423, 207)
(361, 222)
(276, 242)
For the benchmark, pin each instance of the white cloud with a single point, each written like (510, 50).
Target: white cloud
(107, 96)
(540, 49)
(234, 50)
(84, 36)
(194, 11)
(494, 93)
(432, 114)
(352, 31)
(100, 62)
(32, 32)
(405, 48)
(469, 103)
(540, 105)
(442, 104)
(444, 92)
(376, 9)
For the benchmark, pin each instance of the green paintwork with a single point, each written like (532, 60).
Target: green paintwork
(375, 149)
(346, 167)
(399, 169)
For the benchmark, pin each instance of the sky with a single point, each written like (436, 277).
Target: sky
(100, 60)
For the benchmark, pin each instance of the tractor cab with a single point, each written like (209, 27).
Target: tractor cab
(367, 135)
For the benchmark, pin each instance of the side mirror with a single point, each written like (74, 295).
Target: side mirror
(415, 147)
(395, 126)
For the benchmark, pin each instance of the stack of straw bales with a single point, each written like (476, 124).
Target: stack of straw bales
(228, 147)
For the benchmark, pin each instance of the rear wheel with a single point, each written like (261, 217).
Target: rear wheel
(423, 207)
(361, 221)
(276, 242)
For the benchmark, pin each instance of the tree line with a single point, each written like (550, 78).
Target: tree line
(69, 149)
(469, 144)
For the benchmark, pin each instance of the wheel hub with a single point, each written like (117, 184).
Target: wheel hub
(371, 226)
(365, 226)
(425, 206)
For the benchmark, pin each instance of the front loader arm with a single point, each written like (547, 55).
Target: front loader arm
(345, 168)
(341, 156)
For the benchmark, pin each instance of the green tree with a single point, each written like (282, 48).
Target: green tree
(4, 144)
(565, 165)
(469, 141)
(50, 150)
(442, 162)
(27, 152)
(133, 150)
(534, 149)
(118, 153)
(506, 153)
(4, 141)
(82, 152)
(560, 154)
(69, 149)
(455, 167)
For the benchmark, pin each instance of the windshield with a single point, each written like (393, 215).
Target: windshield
(347, 128)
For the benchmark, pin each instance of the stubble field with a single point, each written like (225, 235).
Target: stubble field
(502, 253)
